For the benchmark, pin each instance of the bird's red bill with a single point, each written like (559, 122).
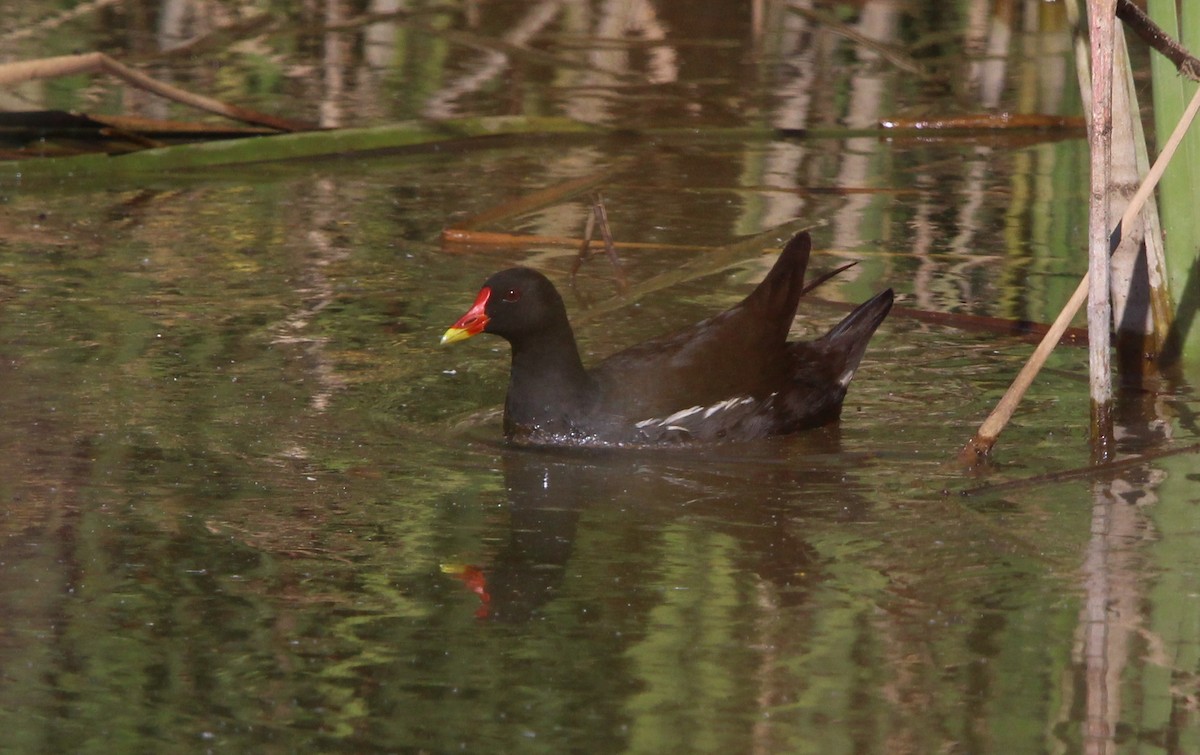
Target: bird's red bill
(473, 322)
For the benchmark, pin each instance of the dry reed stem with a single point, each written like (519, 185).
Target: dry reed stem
(1101, 21)
(985, 438)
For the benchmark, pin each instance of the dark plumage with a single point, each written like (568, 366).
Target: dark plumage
(734, 376)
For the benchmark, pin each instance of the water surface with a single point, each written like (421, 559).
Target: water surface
(249, 503)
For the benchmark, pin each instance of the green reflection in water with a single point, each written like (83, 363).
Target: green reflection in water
(242, 485)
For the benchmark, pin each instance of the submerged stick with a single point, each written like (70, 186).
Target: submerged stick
(980, 446)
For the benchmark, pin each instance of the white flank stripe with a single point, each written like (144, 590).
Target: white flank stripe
(681, 414)
(670, 423)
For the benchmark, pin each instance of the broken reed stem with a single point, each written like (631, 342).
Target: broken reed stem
(1101, 23)
(1152, 34)
(981, 445)
(98, 62)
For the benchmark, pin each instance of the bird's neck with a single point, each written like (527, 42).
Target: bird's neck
(548, 389)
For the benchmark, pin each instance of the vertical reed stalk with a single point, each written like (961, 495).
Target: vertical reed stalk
(1101, 23)
(1181, 182)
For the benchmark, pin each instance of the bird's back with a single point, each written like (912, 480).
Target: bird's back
(740, 352)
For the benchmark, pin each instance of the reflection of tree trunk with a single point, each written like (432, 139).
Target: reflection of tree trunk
(1098, 726)
(1111, 615)
(793, 39)
(315, 289)
(379, 38)
(869, 90)
(989, 73)
(772, 635)
(334, 66)
(621, 19)
(493, 63)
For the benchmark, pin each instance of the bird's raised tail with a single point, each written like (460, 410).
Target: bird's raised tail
(775, 299)
(851, 336)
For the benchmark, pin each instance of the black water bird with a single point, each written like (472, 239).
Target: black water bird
(732, 377)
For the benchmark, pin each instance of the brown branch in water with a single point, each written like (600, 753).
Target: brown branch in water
(998, 121)
(98, 62)
(1152, 34)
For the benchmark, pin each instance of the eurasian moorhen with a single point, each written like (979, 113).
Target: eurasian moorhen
(734, 376)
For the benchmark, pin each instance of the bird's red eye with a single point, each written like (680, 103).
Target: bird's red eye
(512, 295)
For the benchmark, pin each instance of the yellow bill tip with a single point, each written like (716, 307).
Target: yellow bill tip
(454, 335)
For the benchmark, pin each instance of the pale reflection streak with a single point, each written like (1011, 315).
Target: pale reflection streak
(333, 67)
(795, 44)
(492, 63)
(379, 39)
(315, 289)
(617, 19)
(179, 21)
(989, 74)
(1111, 616)
(869, 94)
(621, 19)
(977, 43)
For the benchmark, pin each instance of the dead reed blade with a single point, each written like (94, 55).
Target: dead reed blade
(536, 200)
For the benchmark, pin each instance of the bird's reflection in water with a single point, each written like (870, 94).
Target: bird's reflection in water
(758, 494)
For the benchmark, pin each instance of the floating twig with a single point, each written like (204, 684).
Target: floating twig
(826, 276)
(98, 62)
(997, 121)
(57, 20)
